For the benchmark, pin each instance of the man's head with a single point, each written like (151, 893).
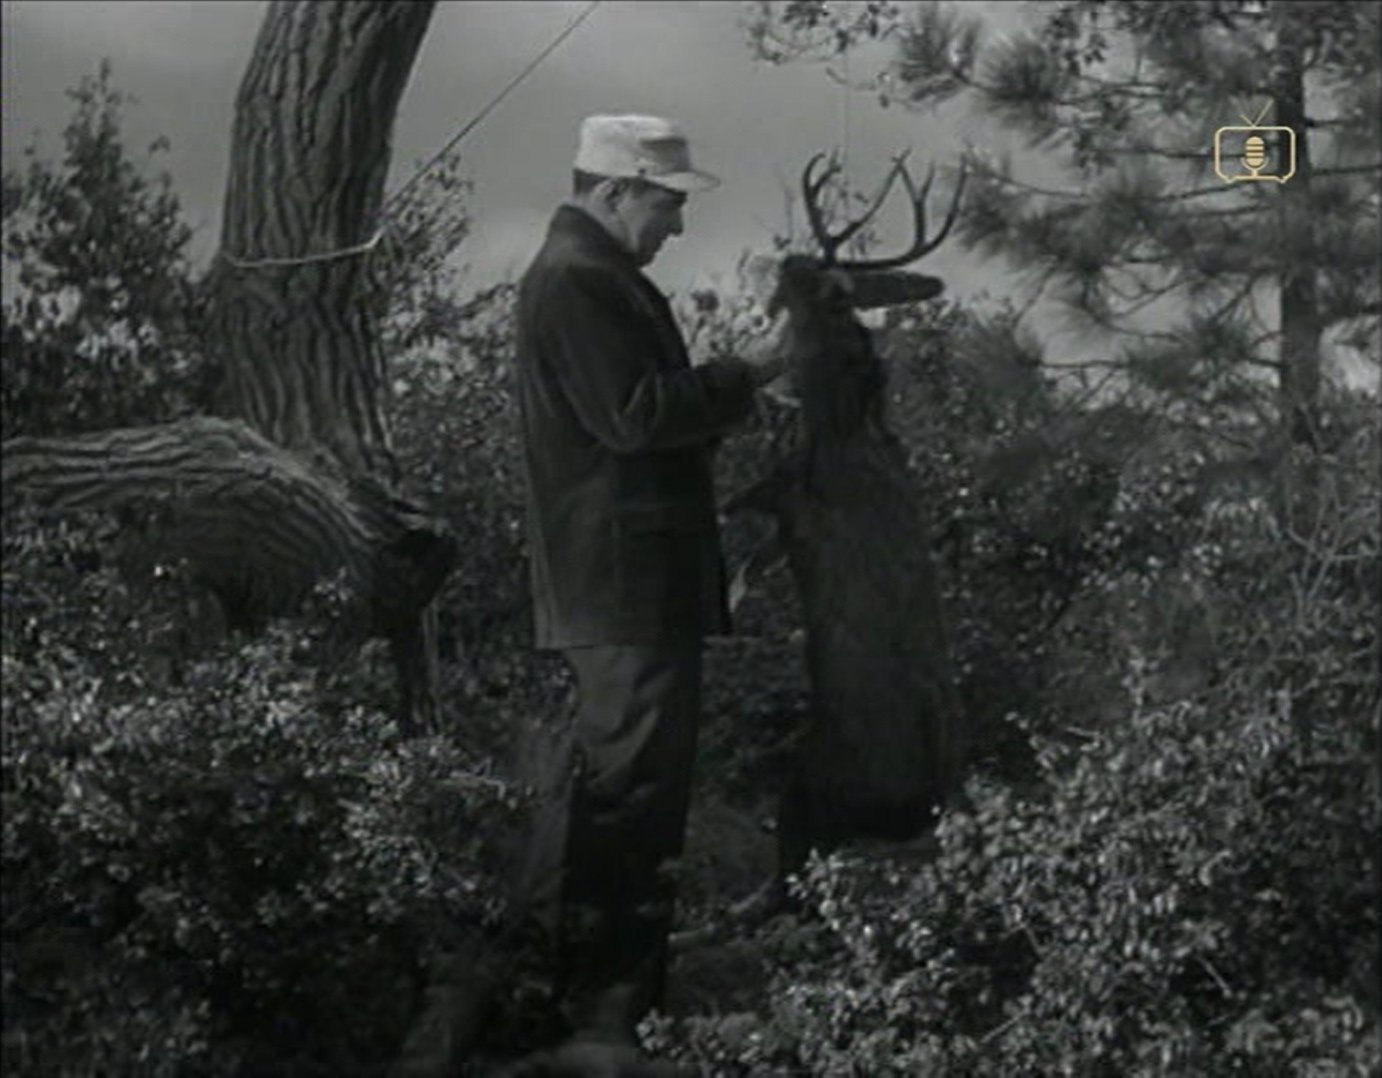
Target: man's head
(639, 214)
(633, 173)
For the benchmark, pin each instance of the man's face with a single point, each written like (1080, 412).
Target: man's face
(649, 214)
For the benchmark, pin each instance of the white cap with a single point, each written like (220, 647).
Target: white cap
(645, 146)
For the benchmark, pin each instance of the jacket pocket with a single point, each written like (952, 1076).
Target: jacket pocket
(657, 553)
(642, 519)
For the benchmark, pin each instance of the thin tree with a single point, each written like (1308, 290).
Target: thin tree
(295, 478)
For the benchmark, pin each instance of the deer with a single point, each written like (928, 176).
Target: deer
(884, 746)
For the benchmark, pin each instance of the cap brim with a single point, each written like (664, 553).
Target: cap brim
(688, 181)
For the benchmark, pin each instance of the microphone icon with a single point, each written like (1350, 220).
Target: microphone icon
(1254, 154)
(1250, 147)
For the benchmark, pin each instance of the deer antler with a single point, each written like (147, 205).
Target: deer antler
(831, 243)
(811, 189)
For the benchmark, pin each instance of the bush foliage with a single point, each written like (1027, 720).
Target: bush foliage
(1165, 863)
(102, 331)
(219, 856)
(225, 864)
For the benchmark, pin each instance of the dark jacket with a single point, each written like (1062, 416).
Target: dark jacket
(617, 425)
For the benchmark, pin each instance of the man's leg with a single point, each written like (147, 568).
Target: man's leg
(596, 866)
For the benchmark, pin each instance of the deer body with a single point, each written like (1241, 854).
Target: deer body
(885, 744)
(882, 749)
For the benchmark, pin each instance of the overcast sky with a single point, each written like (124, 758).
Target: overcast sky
(753, 124)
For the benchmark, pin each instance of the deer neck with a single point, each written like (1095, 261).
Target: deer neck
(840, 381)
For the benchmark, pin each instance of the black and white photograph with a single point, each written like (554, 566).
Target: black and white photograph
(691, 538)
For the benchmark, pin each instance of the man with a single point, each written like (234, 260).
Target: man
(626, 568)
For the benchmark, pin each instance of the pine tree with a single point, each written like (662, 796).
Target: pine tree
(1217, 295)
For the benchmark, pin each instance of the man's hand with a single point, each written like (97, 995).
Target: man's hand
(767, 356)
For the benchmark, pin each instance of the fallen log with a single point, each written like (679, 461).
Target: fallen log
(257, 525)
(297, 480)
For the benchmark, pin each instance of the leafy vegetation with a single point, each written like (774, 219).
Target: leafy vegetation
(1179, 876)
(227, 865)
(102, 330)
(219, 856)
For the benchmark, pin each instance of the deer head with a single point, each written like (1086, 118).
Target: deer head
(859, 284)
(834, 371)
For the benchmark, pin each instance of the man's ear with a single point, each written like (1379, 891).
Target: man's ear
(612, 190)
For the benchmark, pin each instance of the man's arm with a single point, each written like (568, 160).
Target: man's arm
(616, 389)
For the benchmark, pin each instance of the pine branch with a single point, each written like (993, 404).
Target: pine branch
(1196, 192)
(1158, 151)
(1257, 319)
(1117, 89)
(1257, 342)
(1150, 295)
(1237, 211)
(1133, 300)
(1046, 276)
(1109, 324)
(1031, 188)
(1249, 284)
(1343, 123)
(1350, 170)
(1348, 311)
(1112, 365)
(1157, 89)
(1272, 365)
(1082, 196)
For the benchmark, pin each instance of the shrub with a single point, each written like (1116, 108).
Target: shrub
(1188, 881)
(1192, 895)
(102, 330)
(213, 872)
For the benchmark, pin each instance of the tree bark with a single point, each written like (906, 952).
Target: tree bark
(1301, 324)
(257, 524)
(298, 343)
(296, 480)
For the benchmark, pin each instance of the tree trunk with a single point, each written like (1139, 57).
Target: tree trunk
(1301, 326)
(298, 342)
(297, 479)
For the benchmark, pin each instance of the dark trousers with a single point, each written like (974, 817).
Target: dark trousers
(597, 874)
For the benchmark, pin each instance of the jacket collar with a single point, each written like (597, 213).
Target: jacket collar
(575, 222)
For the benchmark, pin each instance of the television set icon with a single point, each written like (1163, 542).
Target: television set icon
(1257, 152)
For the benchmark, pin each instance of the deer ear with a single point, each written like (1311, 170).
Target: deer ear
(892, 288)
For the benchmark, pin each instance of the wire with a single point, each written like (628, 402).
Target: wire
(394, 199)
(397, 196)
(302, 260)
(846, 97)
(848, 93)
